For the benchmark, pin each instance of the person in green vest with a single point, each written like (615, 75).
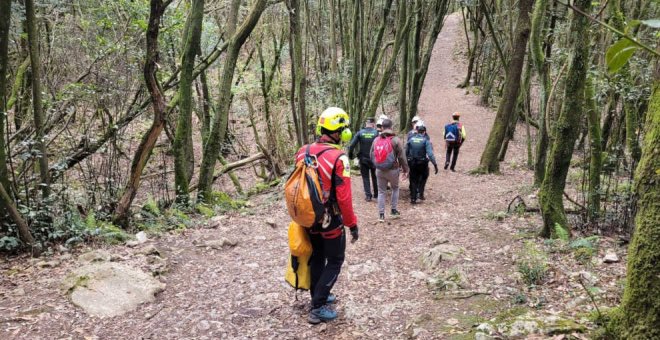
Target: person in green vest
(363, 140)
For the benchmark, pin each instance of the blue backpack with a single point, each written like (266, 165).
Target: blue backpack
(453, 133)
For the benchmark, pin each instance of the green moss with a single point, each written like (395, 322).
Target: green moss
(225, 202)
(205, 210)
(510, 315)
(561, 233)
(497, 216)
(104, 230)
(261, 187)
(75, 282)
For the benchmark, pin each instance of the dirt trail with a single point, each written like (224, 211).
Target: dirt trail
(239, 293)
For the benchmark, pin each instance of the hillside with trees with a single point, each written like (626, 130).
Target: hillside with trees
(153, 138)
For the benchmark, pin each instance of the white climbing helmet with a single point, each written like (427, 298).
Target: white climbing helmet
(415, 119)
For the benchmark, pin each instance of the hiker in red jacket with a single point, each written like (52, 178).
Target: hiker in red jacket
(328, 238)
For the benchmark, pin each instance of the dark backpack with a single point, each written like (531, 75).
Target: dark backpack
(383, 155)
(416, 150)
(453, 133)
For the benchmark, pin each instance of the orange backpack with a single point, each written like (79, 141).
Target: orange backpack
(303, 192)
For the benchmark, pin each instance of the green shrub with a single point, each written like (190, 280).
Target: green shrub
(532, 264)
(583, 255)
(584, 248)
(151, 206)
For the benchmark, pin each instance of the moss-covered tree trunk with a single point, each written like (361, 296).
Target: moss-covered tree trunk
(219, 128)
(5, 16)
(37, 104)
(639, 316)
(567, 127)
(542, 69)
(143, 152)
(489, 162)
(183, 144)
(595, 153)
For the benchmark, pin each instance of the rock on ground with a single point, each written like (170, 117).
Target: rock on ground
(109, 289)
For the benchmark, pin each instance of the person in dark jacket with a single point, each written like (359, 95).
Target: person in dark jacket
(419, 151)
(363, 140)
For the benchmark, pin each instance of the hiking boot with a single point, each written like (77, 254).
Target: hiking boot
(381, 217)
(332, 298)
(368, 198)
(320, 314)
(452, 170)
(413, 202)
(422, 198)
(446, 166)
(395, 213)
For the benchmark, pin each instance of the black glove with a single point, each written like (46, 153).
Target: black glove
(354, 234)
(435, 166)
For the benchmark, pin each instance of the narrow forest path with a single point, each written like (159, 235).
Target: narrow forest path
(383, 291)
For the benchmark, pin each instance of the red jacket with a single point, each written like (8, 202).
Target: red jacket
(334, 161)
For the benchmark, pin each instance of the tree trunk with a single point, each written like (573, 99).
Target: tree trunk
(596, 162)
(639, 314)
(403, 83)
(39, 119)
(438, 10)
(489, 159)
(297, 67)
(401, 32)
(617, 20)
(542, 69)
(143, 152)
(521, 104)
(218, 129)
(567, 127)
(15, 216)
(183, 143)
(334, 84)
(355, 87)
(5, 16)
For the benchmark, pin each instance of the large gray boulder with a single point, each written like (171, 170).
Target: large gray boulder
(109, 289)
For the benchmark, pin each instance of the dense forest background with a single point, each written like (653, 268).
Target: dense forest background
(129, 115)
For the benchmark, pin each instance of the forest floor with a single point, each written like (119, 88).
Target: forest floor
(385, 291)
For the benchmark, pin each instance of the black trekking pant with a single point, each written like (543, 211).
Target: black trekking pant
(452, 148)
(368, 170)
(419, 172)
(325, 265)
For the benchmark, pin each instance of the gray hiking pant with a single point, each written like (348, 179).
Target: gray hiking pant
(383, 177)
